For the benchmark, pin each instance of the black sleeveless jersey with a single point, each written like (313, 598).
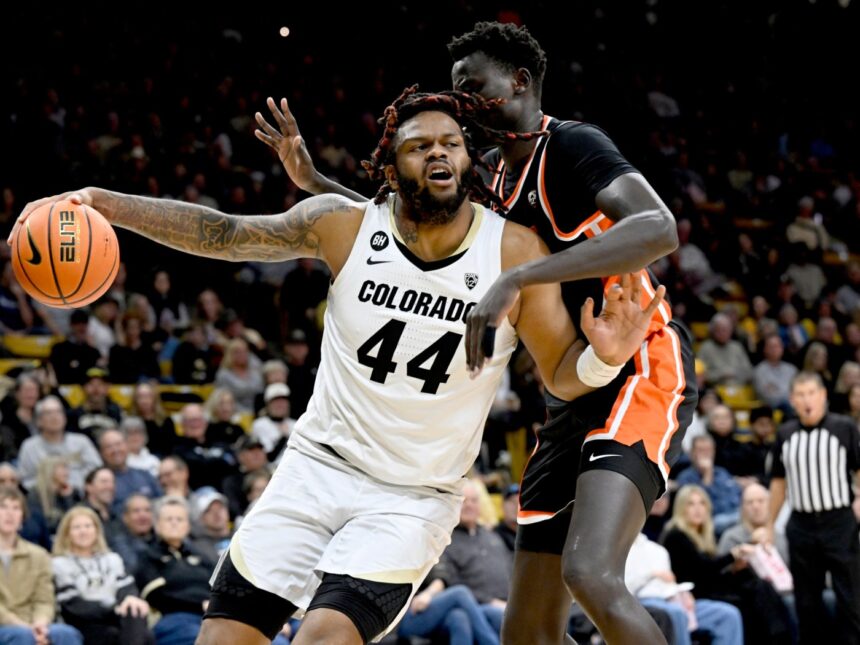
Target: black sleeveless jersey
(554, 195)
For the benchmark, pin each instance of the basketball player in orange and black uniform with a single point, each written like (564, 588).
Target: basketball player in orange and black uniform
(611, 450)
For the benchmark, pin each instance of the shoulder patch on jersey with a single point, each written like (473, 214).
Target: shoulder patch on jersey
(379, 240)
(471, 280)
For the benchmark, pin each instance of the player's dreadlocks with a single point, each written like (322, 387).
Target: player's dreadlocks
(465, 109)
(511, 46)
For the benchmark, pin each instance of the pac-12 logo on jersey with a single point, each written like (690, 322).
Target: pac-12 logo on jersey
(378, 241)
(471, 280)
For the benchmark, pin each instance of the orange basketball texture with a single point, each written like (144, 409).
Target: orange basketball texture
(65, 255)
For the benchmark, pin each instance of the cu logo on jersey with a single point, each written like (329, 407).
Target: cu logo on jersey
(471, 280)
(532, 198)
(379, 241)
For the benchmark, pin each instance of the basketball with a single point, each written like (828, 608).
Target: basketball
(65, 255)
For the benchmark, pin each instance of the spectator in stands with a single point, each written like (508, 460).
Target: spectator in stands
(252, 457)
(274, 371)
(26, 590)
(72, 357)
(210, 528)
(793, 333)
(52, 494)
(253, 486)
(174, 577)
(170, 312)
(136, 439)
(848, 377)
(725, 359)
(848, 295)
(34, 529)
(302, 373)
(854, 404)
(763, 434)
(303, 289)
(450, 611)
(233, 326)
(240, 373)
(132, 536)
(17, 414)
(816, 359)
(222, 417)
(100, 493)
(97, 412)
(806, 227)
(209, 310)
(478, 558)
(827, 333)
(209, 462)
(752, 529)
(808, 278)
(772, 376)
(730, 453)
(94, 592)
(648, 575)
(54, 441)
(507, 527)
(689, 539)
(131, 359)
(146, 404)
(193, 359)
(114, 452)
(102, 325)
(724, 494)
(273, 428)
(173, 476)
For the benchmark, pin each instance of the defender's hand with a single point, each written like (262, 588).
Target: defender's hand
(620, 329)
(83, 196)
(288, 143)
(484, 319)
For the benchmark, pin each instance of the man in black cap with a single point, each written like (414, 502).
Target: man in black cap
(302, 373)
(97, 412)
(252, 457)
(72, 357)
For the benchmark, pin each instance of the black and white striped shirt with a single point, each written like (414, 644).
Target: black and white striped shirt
(817, 462)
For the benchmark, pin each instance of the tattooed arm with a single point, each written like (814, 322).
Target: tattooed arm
(316, 227)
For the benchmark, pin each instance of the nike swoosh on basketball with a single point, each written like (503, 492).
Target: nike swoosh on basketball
(372, 261)
(37, 256)
(596, 457)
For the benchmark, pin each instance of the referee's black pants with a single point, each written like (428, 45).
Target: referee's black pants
(817, 543)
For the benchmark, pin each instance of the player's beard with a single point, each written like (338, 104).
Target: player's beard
(425, 208)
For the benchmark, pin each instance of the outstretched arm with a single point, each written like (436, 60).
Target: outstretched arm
(543, 324)
(645, 231)
(294, 155)
(312, 228)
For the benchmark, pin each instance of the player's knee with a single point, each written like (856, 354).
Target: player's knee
(584, 577)
(222, 631)
(371, 606)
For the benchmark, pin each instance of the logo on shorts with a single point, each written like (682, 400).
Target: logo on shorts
(596, 457)
(471, 280)
(379, 241)
(532, 198)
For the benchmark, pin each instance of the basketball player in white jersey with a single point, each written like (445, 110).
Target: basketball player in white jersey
(368, 491)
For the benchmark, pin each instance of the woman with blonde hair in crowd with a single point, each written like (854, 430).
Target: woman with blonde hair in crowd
(241, 373)
(222, 416)
(94, 592)
(53, 494)
(146, 404)
(689, 539)
(816, 359)
(849, 376)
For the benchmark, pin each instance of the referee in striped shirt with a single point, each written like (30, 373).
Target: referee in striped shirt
(814, 458)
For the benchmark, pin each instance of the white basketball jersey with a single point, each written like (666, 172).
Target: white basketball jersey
(393, 395)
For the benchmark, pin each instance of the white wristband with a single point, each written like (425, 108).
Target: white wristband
(593, 372)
